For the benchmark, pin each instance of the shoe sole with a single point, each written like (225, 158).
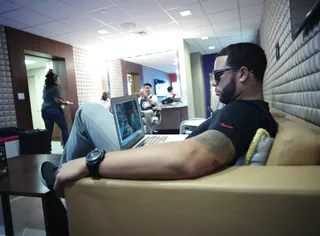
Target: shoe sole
(40, 175)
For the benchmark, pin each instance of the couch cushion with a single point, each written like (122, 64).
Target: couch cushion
(296, 143)
(276, 113)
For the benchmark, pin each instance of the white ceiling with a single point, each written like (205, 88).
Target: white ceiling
(76, 22)
(163, 61)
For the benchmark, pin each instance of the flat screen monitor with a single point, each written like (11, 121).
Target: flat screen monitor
(160, 88)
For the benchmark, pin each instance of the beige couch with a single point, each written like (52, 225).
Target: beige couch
(282, 198)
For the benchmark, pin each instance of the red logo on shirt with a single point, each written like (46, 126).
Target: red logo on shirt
(226, 126)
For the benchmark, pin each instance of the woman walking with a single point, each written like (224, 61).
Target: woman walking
(51, 106)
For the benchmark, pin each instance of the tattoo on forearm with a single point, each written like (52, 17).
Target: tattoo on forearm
(219, 144)
(216, 164)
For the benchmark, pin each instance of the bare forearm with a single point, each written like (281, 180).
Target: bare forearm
(60, 101)
(191, 158)
(162, 161)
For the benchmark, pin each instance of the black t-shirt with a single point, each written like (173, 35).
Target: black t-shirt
(239, 121)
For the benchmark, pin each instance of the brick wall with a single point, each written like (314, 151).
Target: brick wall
(89, 85)
(7, 107)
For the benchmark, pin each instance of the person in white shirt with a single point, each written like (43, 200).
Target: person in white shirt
(148, 104)
(170, 92)
(105, 100)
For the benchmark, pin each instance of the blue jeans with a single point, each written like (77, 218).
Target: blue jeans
(52, 115)
(93, 127)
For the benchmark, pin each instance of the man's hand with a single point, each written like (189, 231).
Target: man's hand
(69, 173)
(142, 94)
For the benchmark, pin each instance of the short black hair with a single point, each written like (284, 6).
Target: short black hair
(147, 84)
(169, 89)
(249, 55)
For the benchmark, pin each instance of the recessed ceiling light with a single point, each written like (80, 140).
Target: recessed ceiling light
(29, 62)
(185, 13)
(103, 31)
(128, 25)
(212, 47)
(204, 37)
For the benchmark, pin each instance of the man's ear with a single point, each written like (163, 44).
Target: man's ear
(244, 74)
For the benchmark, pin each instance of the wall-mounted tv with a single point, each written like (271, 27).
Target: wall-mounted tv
(160, 87)
(302, 12)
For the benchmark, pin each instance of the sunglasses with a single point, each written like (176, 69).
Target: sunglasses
(218, 73)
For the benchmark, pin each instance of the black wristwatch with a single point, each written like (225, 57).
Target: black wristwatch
(93, 160)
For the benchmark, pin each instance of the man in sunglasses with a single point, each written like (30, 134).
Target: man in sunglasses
(219, 141)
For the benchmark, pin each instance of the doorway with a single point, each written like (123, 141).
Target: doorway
(37, 67)
(134, 83)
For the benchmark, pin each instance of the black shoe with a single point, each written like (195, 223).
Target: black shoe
(47, 174)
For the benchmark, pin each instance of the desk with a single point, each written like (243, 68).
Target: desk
(23, 180)
(172, 116)
(194, 123)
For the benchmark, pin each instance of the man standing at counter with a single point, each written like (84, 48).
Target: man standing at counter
(148, 104)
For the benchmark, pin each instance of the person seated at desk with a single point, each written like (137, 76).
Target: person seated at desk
(170, 97)
(170, 92)
(105, 100)
(148, 103)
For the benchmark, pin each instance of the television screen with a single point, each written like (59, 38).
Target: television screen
(160, 88)
(301, 12)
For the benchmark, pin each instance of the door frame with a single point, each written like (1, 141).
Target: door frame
(20, 43)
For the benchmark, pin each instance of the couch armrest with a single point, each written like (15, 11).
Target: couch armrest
(273, 200)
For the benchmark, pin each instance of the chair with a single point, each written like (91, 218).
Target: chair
(156, 119)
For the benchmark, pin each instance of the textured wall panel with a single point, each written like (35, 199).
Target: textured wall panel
(89, 86)
(292, 83)
(115, 78)
(150, 74)
(7, 107)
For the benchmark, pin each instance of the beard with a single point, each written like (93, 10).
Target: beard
(227, 94)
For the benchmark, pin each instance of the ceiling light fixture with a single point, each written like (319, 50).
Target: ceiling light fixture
(212, 47)
(128, 26)
(103, 31)
(29, 62)
(204, 37)
(185, 13)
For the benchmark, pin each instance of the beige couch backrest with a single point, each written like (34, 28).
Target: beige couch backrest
(297, 141)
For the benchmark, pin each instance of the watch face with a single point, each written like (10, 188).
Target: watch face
(93, 156)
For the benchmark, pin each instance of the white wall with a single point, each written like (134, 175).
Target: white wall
(186, 77)
(115, 77)
(198, 85)
(36, 80)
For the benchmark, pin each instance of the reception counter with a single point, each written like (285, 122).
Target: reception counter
(172, 116)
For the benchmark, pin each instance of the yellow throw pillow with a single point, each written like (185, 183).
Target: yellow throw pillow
(259, 149)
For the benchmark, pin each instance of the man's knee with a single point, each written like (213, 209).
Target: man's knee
(87, 108)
